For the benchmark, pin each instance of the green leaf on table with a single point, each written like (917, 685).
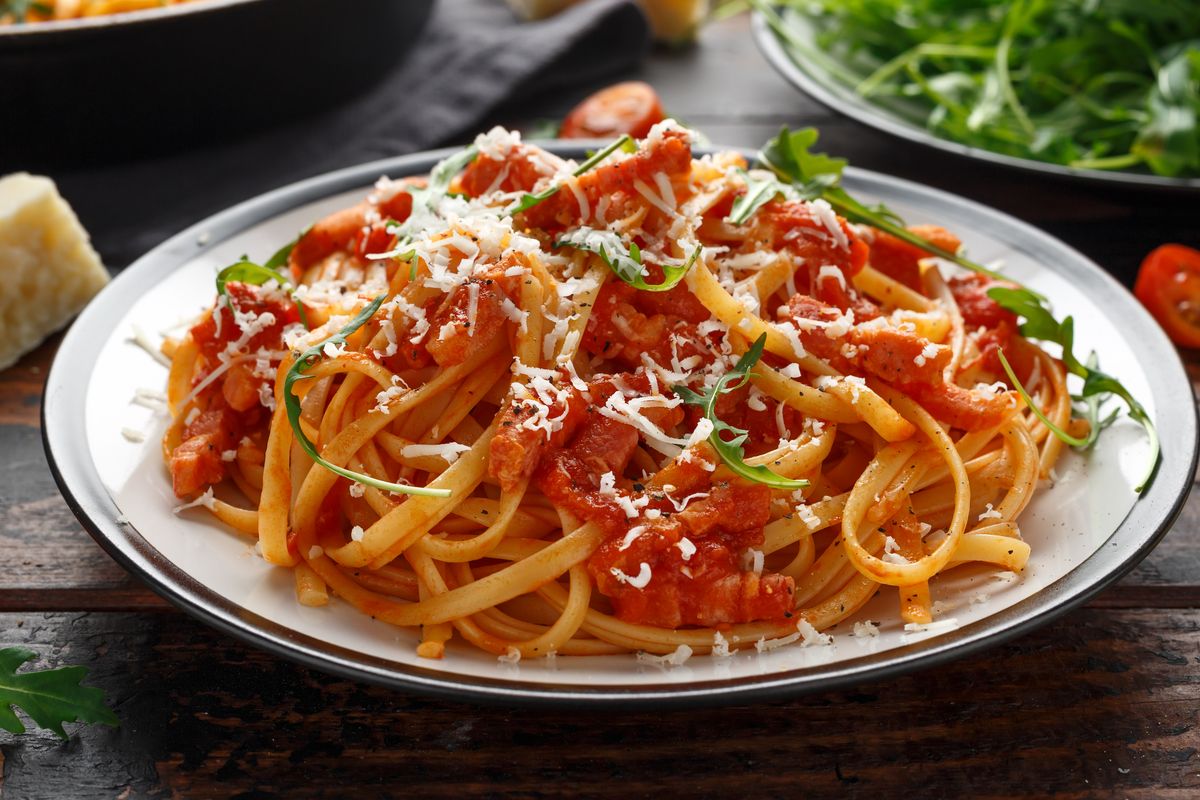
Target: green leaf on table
(50, 697)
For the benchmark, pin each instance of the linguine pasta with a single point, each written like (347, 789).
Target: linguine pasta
(620, 406)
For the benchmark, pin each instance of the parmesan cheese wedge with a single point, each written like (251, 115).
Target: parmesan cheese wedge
(48, 268)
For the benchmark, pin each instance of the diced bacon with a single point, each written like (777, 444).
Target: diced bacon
(713, 589)
(840, 294)
(961, 408)
(1021, 355)
(570, 476)
(899, 356)
(900, 260)
(979, 310)
(469, 332)
(197, 462)
(886, 352)
(677, 303)
(240, 386)
(352, 230)
(670, 154)
(515, 450)
(733, 507)
(519, 172)
(248, 299)
(624, 326)
(792, 225)
(761, 424)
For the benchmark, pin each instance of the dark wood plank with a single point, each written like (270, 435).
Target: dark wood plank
(1101, 704)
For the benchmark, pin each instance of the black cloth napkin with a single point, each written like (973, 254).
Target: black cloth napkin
(474, 56)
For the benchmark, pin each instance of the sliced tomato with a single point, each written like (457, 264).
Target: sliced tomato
(1168, 284)
(632, 107)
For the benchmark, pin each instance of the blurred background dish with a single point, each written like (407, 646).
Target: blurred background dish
(19, 12)
(796, 39)
(106, 88)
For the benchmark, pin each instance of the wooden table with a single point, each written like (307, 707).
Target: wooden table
(1102, 703)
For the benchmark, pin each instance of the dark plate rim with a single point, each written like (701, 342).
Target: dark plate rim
(788, 65)
(50, 28)
(63, 428)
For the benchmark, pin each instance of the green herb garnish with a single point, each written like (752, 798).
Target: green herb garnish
(251, 273)
(1040, 324)
(428, 197)
(816, 176)
(50, 697)
(732, 451)
(528, 201)
(441, 176)
(18, 9)
(759, 192)
(247, 271)
(1095, 84)
(292, 403)
(626, 262)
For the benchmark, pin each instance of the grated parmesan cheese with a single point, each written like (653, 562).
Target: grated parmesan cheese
(206, 499)
(450, 451)
(810, 636)
(990, 513)
(865, 630)
(672, 659)
(639, 581)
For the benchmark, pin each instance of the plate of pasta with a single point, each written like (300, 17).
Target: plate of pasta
(638, 420)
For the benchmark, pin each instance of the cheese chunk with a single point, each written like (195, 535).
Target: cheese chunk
(48, 268)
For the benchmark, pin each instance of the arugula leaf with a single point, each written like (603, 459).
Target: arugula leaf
(1062, 435)
(427, 197)
(1170, 141)
(50, 697)
(759, 192)
(19, 8)
(1082, 83)
(246, 271)
(445, 170)
(542, 129)
(817, 176)
(292, 403)
(732, 451)
(528, 201)
(1091, 408)
(1040, 324)
(251, 273)
(626, 263)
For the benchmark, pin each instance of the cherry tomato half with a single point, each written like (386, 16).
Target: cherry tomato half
(1168, 284)
(631, 107)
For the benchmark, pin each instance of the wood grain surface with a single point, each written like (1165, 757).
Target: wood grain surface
(1104, 703)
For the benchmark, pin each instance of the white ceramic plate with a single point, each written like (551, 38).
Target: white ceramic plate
(1085, 531)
